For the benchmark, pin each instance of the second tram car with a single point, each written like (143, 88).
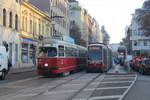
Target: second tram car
(99, 58)
(59, 57)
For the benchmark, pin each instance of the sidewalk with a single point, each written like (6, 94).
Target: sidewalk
(20, 70)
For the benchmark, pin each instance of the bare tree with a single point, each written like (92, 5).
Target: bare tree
(75, 33)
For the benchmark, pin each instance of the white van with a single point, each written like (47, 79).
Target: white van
(3, 63)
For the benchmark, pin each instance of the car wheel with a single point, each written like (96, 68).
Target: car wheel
(2, 77)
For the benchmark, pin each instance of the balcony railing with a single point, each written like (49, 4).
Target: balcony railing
(139, 38)
(141, 47)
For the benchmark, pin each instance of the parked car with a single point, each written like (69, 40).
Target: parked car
(4, 66)
(145, 66)
(136, 62)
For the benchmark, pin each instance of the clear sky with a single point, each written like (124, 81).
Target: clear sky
(114, 14)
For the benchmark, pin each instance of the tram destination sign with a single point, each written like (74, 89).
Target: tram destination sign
(94, 48)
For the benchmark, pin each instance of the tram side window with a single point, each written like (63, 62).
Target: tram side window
(61, 51)
(105, 56)
(47, 52)
(68, 51)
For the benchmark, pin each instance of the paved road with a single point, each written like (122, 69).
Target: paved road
(18, 76)
(78, 86)
(141, 89)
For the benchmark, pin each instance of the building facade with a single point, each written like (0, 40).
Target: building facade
(34, 24)
(96, 33)
(140, 36)
(106, 37)
(10, 27)
(59, 12)
(80, 17)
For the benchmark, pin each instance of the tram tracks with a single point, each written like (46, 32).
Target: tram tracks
(51, 89)
(22, 88)
(70, 81)
(79, 86)
(77, 92)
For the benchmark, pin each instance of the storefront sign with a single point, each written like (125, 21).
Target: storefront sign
(67, 39)
(28, 41)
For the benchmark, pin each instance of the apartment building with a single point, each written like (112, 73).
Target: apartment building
(10, 27)
(59, 12)
(140, 30)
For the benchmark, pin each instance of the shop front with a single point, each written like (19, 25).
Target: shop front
(28, 52)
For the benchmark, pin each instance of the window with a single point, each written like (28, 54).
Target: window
(4, 17)
(10, 19)
(17, 1)
(43, 29)
(35, 28)
(61, 51)
(135, 43)
(39, 27)
(22, 22)
(26, 24)
(16, 22)
(24, 56)
(145, 43)
(31, 26)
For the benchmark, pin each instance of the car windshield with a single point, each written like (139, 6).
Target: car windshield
(47, 52)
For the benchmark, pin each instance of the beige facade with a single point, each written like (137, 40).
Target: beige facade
(79, 17)
(9, 28)
(60, 25)
(34, 23)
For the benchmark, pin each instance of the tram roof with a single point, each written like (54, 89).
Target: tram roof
(60, 42)
(97, 44)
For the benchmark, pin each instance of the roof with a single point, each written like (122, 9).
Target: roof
(96, 44)
(43, 5)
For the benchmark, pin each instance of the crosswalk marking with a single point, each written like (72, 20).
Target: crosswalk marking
(105, 97)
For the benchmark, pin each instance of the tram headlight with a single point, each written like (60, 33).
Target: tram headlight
(46, 65)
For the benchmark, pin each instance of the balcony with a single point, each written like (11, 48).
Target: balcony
(141, 47)
(139, 38)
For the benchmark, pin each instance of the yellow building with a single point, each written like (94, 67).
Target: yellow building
(34, 23)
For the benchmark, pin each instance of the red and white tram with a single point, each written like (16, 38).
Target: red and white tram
(99, 58)
(55, 57)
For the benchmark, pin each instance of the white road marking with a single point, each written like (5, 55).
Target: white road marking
(120, 75)
(105, 88)
(116, 82)
(60, 92)
(105, 97)
(128, 88)
(79, 99)
(119, 78)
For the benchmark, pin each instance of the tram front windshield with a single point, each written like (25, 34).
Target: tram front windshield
(95, 53)
(47, 52)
